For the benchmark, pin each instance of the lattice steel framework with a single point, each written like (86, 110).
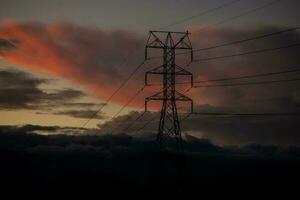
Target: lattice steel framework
(169, 42)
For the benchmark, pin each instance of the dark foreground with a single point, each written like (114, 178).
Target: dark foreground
(121, 164)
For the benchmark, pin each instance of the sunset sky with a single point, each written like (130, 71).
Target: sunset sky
(70, 56)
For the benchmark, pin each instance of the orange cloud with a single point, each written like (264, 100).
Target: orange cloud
(87, 56)
(101, 60)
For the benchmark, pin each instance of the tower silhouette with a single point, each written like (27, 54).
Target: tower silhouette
(169, 42)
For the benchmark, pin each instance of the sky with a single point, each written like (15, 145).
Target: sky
(72, 55)
(142, 15)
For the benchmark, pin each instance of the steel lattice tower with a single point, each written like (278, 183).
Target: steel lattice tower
(169, 42)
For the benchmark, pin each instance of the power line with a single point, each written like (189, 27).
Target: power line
(121, 86)
(128, 120)
(129, 101)
(115, 92)
(205, 59)
(130, 76)
(200, 14)
(238, 41)
(246, 13)
(243, 40)
(147, 123)
(221, 114)
(248, 83)
(134, 121)
(186, 117)
(125, 105)
(237, 78)
(250, 76)
(248, 53)
(248, 114)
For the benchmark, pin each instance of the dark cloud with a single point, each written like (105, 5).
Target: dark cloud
(221, 130)
(143, 142)
(82, 110)
(64, 95)
(84, 104)
(5, 43)
(82, 114)
(21, 90)
(27, 129)
(45, 130)
(5, 46)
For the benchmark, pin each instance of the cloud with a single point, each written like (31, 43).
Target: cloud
(83, 104)
(26, 129)
(83, 110)
(5, 46)
(82, 114)
(277, 130)
(87, 56)
(258, 97)
(95, 58)
(37, 130)
(221, 130)
(89, 138)
(21, 90)
(64, 95)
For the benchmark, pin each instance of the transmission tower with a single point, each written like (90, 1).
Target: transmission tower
(169, 42)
